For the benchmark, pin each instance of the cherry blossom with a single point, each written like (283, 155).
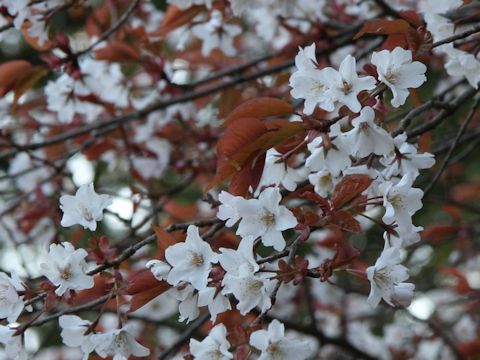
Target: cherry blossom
(310, 83)
(214, 346)
(85, 208)
(191, 260)
(66, 268)
(405, 159)
(366, 137)
(345, 84)
(11, 303)
(401, 201)
(215, 34)
(249, 289)
(159, 269)
(387, 278)
(74, 331)
(13, 344)
(119, 343)
(397, 71)
(228, 210)
(266, 218)
(275, 346)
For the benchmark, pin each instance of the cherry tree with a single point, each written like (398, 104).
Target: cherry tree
(238, 179)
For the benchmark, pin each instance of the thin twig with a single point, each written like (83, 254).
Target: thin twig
(444, 164)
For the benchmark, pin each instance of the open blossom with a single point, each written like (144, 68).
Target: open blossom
(119, 343)
(214, 346)
(310, 83)
(217, 35)
(191, 260)
(66, 268)
(11, 304)
(396, 70)
(231, 260)
(366, 137)
(345, 84)
(278, 172)
(249, 289)
(401, 201)
(73, 333)
(266, 218)
(387, 278)
(323, 182)
(275, 346)
(333, 157)
(159, 269)
(228, 210)
(405, 159)
(216, 302)
(85, 208)
(13, 348)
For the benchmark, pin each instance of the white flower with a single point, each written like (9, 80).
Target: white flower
(386, 279)
(85, 208)
(73, 333)
(153, 167)
(275, 346)
(217, 35)
(401, 201)
(265, 217)
(228, 210)
(336, 159)
(11, 304)
(159, 269)
(366, 137)
(231, 260)
(188, 307)
(396, 70)
(214, 347)
(465, 329)
(13, 344)
(191, 260)
(323, 182)
(345, 84)
(405, 159)
(66, 268)
(276, 173)
(216, 301)
(249, 289)
(309, 82)
(119, 343)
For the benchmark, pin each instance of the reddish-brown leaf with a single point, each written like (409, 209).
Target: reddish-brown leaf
(344, 254)
(175, 17)
(261, 107)
(142, 281)
(145, 297)
(118, 51)
(349, 188)
(384, 27)
(28, 80)
(439, 232)
(12, 71)
(229, 100)
(164, 240)
(345, 220)
(314, 197)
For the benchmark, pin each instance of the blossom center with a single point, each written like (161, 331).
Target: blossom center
(66, 272)
(268, 218)
(325, 180)
(347, 88)
(254, 286)
(382, 277)
(391, 76)
(87, 214)
(196, 259)
(274, 350)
